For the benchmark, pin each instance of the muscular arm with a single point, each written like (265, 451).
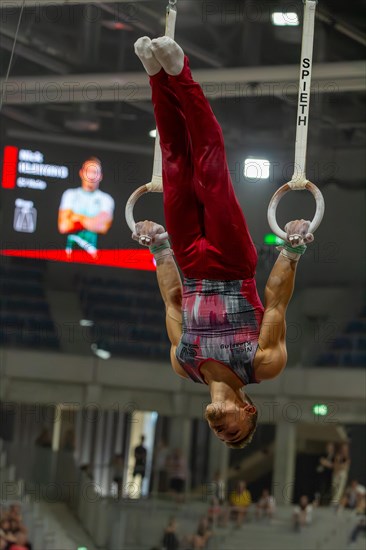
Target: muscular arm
(68, 222)
(99, 224)
(271, 356)
(170, 286)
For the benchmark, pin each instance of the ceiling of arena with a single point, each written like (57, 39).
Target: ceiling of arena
(75, 79)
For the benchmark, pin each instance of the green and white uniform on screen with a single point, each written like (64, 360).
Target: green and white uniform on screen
(90, 204)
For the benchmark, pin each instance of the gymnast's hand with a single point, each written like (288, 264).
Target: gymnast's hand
(298, 232)
(148, 233)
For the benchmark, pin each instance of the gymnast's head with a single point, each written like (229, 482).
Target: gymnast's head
(91, 174)
(233, 423)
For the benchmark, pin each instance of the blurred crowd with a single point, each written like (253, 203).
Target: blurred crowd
(220, 513)
(333, 471)
(234, 508)
(13, 532)
(227, 505)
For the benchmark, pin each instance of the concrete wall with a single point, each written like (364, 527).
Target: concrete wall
(39, 377)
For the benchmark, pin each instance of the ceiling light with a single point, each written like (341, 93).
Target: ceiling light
(100, 352)
(152, 133)
(285, 19)
(257, 169)
(86, 323)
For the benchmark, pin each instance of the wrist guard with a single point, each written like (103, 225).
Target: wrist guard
(290, 252)
(160, 250)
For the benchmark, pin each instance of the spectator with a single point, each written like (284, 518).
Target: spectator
(177, 469)
(170, 539)
(6, 530)
(325, 473)
(14, 525)
(354, 497)
(200, 539)
(219, 485)
(21, 542)
(265, 506)
(359, 528)
(303, 513)
(215, 513)
(240, 500)
(140, 453)
(117, 465)
(13, 533)
(15, 512)
(340, 473)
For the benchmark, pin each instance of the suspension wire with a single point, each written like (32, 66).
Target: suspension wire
(11, 56)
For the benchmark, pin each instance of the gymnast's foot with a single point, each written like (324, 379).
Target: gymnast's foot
(169, 54)
(147, 58)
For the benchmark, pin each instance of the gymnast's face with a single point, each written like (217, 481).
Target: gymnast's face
(90, 175)
(231, 423)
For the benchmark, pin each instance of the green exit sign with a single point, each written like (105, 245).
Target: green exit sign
(320, 409)
(272, 239)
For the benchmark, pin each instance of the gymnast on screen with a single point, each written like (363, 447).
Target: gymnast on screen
(86, 211)
(220, 333)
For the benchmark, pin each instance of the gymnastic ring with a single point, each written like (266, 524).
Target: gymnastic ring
(147, 188)
(272, 208)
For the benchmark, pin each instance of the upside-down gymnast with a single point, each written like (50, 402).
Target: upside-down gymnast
(220, 333)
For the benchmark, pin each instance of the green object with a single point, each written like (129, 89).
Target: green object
(82, 548)
(272, 239)
(87, 237)
(154, 248)
(297, 249)
(320, 409)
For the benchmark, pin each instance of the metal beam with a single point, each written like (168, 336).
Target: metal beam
(96, 144)
(275, 81)
(39, 3)
(36, 57)
(29, 120)
(341, 26)
(188, 47)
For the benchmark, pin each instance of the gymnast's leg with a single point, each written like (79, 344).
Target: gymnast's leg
(183, 213)
(229, 250)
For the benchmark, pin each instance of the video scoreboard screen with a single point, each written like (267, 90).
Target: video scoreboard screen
(66, 204)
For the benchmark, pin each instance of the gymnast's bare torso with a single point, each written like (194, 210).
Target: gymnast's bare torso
(220, 333)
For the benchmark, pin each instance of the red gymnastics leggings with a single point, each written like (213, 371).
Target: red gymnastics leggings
(206, 225)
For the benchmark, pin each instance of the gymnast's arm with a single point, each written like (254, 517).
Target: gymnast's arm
(68, 222)
(170, 286)
(271, 356)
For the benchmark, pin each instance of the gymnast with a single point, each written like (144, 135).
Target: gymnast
(220, 333)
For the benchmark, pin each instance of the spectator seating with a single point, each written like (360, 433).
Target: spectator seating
(129, 319)
(348, 349)
(24, 312)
